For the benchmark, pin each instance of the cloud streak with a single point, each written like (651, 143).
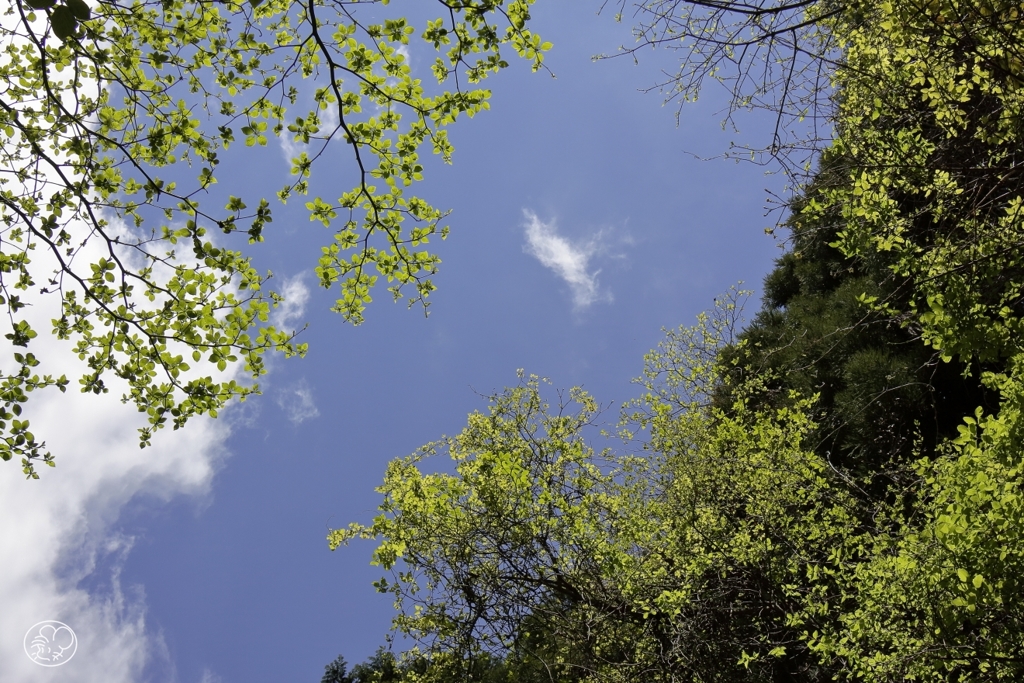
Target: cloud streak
(290, 147)
(63, 529)
(293, 308)
(569, 260)
(60, 537)
(297, 402)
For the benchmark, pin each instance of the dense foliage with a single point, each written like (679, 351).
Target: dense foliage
(114, 116)
(832, 492)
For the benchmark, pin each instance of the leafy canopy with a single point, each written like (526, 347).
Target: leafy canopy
(114, 117)
(831, 494)
(669, 564)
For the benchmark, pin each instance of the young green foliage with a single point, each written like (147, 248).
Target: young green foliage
(113, 120)
(686, 563)
(929, 128)
(940, 596)
(464, 547)
(803, 508)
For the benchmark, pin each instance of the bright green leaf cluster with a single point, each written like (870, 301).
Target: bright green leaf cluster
(113, 117)
(608, 558)
(788, 515)
(929, 125)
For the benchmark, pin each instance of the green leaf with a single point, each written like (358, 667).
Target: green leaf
(64, 23)
(79, 9)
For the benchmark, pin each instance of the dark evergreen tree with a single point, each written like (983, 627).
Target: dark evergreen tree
(336, 672)
(884, 397)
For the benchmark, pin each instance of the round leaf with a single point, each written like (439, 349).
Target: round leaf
(79, 9)
(63, 22)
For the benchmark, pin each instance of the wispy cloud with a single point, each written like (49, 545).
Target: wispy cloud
(293, 308)
(569, 260)
(58, 531)
(210, 677)
(62, 530)
(406, 55)
(290, 148)
(329, 119)
(297, 402)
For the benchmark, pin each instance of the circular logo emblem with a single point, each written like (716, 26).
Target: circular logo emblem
(50, 643)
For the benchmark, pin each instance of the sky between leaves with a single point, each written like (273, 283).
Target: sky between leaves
(582, 225)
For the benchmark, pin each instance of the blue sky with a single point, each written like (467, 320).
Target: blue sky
(581, 226)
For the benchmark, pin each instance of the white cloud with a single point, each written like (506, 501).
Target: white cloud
(404, 51)
(290, 148)
(58, 531)
(55, 531)
(329, 119)
(210, 677)
(569, 260)
(63, 528)
(296, 296)
(297, 402)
